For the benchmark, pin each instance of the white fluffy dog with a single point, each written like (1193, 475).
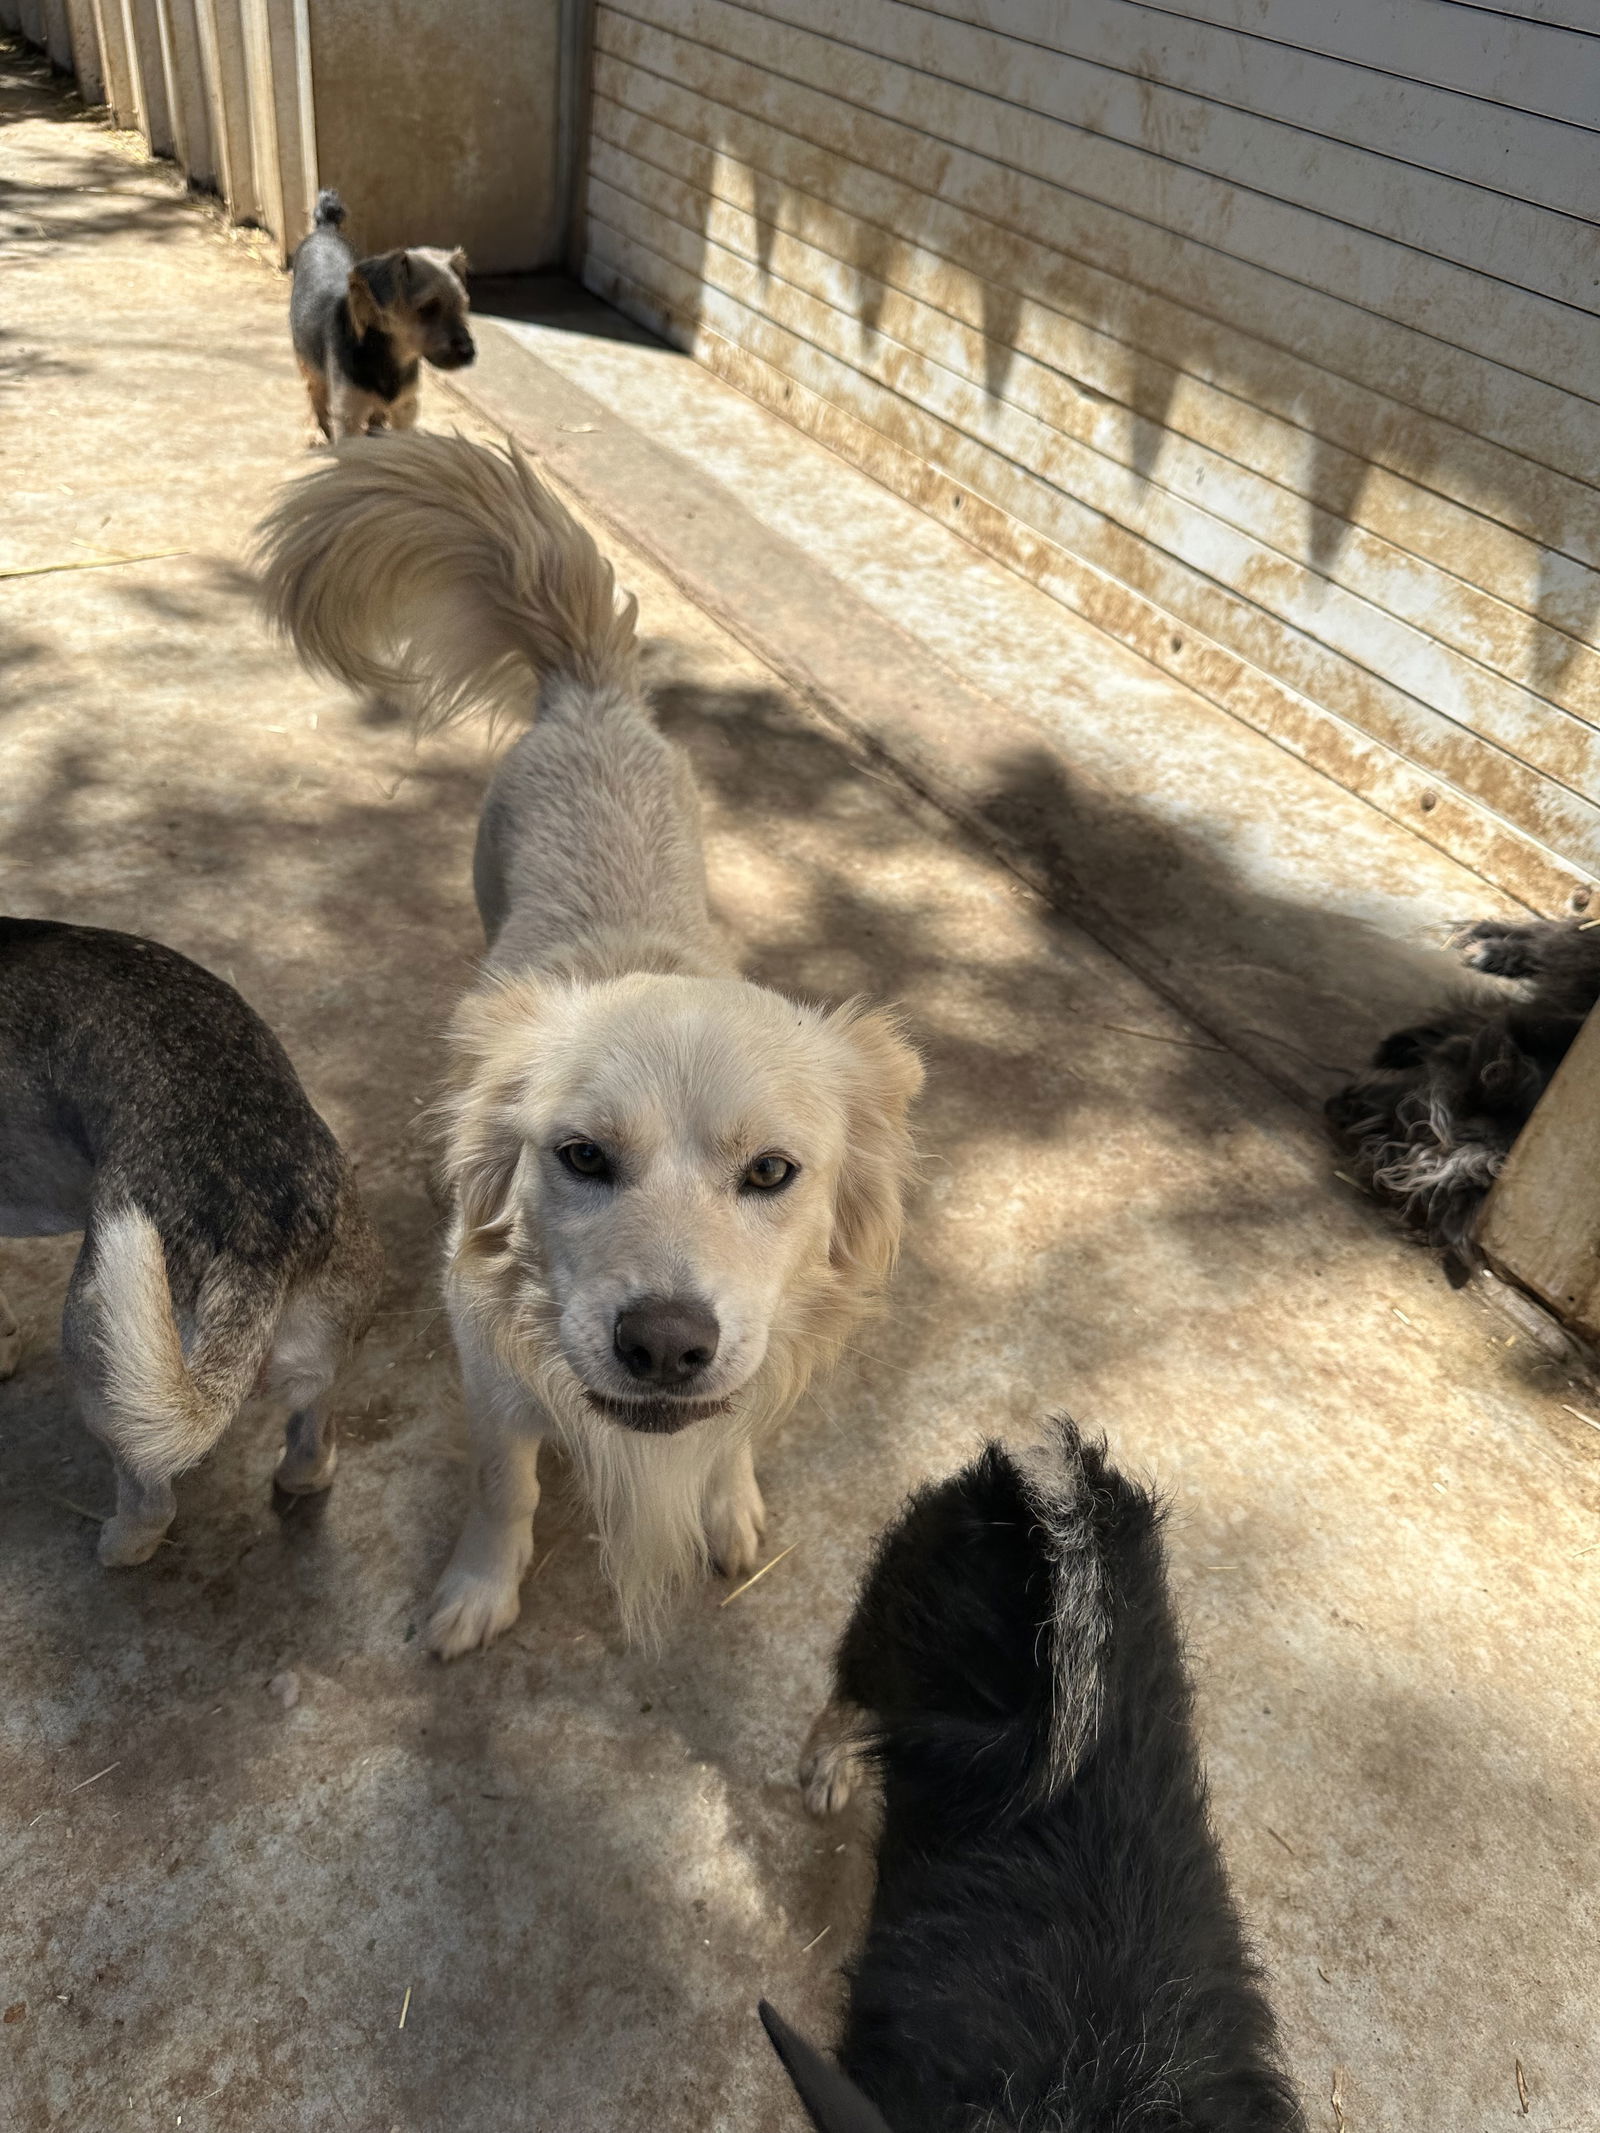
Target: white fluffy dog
(673, 1191)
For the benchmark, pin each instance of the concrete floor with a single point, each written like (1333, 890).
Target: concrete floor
(583, 1864)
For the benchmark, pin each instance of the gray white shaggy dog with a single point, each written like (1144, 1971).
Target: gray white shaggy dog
(224, 1251)
(1428, 1126)
(673, 1191)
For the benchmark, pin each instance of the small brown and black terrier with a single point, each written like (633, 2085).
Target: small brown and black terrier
(363, 327)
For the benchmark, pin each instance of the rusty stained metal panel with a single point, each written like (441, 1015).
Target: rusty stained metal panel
(1550, 811)
(1366, 581)
(679, 131)
(1440, 496)
(1477, 838)
(1344, 98)
(1446, 606)
(1417, 369)
(1480, 226)
(1530, 333)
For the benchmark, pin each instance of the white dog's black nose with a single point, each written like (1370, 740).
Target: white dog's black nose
(665, 1340)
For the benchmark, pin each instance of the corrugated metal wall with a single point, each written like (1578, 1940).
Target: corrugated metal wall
(1262, 332)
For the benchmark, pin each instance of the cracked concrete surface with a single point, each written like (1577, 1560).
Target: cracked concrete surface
(583, 1864)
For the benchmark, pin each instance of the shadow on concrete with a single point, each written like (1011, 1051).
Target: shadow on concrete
(548, 1880)
(1162, 900)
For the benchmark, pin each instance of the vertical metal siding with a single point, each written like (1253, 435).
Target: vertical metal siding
(1262, 331)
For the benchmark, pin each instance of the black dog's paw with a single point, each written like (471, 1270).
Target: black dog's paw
(1499, 950)
(1404, 1049)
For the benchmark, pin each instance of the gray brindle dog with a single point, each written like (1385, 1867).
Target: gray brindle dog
(225, 1252)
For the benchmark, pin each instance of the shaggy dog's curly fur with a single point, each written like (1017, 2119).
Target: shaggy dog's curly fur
(1429, 1124)
(1053, 1946)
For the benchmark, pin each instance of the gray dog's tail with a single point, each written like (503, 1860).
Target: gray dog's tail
(170, 1408)
(330, 210)
(446, 570)
(1077, 1498)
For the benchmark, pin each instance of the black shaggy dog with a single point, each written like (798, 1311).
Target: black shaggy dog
(1429, 1124)
(1053, 1946)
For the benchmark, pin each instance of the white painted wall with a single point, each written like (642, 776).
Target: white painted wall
(440, 125)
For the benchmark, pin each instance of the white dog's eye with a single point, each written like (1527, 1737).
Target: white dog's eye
(585, 1160)
(769, 1173)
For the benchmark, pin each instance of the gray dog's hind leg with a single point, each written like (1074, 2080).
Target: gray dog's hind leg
(10, 1340)
(146, 1505)
(310, 1454)
(307, 1349)
(145, 1509)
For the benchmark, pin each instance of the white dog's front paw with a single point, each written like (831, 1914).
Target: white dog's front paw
(736, 1523)
(125, 1542)
(480, 1595)
(470, 1611)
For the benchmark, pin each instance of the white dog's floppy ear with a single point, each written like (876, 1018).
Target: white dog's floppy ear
(492, 1035)
(833, 2102)
(879, 1156)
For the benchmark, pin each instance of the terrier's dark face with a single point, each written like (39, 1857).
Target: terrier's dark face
(419, 298)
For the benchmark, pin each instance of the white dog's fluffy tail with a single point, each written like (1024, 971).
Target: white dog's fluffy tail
(446, 569)
(167, 1410)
